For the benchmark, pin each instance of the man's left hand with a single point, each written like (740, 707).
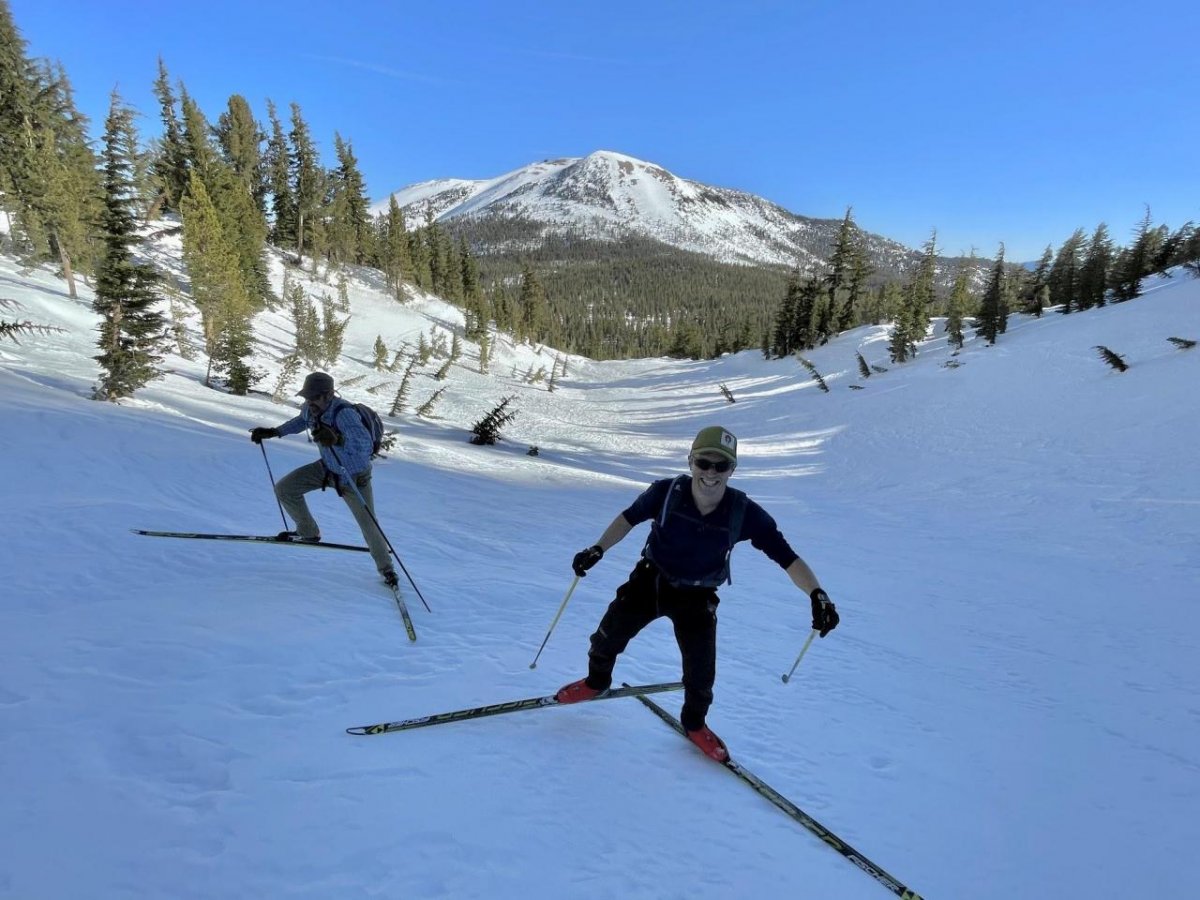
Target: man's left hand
(824, 613)
(326, 436)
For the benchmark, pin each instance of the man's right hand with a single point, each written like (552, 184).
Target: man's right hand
(585, 559)
(259, 434)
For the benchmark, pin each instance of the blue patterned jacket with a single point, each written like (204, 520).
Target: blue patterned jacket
(355, 451)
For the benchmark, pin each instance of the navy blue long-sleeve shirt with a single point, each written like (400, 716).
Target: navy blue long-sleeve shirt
(691, 548)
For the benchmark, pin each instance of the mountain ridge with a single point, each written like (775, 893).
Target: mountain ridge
(608, 196)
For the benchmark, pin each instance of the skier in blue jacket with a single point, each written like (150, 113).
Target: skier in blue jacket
(696, 521)
(345, 458)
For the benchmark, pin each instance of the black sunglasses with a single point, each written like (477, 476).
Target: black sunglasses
(720, 465)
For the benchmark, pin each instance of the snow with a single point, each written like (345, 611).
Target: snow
(1009, 708)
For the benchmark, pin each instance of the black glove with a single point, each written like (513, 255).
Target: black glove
(326, 436)
(585, 559)
(258, 435)
(825, 614)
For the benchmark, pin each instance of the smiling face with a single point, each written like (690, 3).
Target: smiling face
(708, 482)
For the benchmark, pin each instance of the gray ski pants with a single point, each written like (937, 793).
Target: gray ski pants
(292, 487)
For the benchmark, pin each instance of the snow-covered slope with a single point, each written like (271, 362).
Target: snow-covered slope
(609, 195)
(1007, 710)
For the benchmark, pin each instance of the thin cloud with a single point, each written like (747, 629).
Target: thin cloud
(578, 57)
(383, 70)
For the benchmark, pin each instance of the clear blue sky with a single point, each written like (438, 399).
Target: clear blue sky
(1014, 122)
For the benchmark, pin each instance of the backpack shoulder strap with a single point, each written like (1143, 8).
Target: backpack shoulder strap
(670, 501)
(336, 405)
(737, 516)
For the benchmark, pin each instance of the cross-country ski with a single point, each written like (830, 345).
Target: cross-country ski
(510, 706)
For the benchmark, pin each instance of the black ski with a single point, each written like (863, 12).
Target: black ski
(408, 623)
(496, 709)
(799, 815)
(255, 538)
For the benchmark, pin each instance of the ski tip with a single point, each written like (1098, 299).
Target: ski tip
(367, 729)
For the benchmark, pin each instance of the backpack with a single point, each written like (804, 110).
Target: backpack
(371, 422)
(737, 515)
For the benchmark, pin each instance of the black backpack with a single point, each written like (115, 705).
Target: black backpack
(371, 422)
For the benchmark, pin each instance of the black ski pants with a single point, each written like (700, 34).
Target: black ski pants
(647, 596)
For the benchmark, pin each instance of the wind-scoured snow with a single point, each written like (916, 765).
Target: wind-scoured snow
(1008, 709)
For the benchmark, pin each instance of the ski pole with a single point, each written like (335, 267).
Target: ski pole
(374, 520)
(803, 650)
(271, 475)
(561, 607)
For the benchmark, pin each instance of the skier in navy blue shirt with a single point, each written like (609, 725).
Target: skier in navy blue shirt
(345, 458)
(696, 521)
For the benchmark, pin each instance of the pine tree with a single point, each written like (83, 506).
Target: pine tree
(783, 335)
(62, 189)
(960, 303)
(11, 330)
(863, 369)
(16, 92)
(217, 287)
(394, 249)
(307, 180)
(287, 374)
(241, 138)
(687, 342)
(474, 301)
(1135, 262)
(912, 320)
(244, 226)
(487, 429)
(860, 272)
(349, 223)
(278, 179)
(130, 328)
(405, 388)
(1114, 359)
(169, 168)
(381, 354)
(333, 332)
(425, 410)
(418, 253)
(485, 349)
(1064, 273)
(990, 311)
(435, 251)
(1093, 277)
(812, 370)
(307, 324)
(837, 280)
(1036, 296)
(534, 316)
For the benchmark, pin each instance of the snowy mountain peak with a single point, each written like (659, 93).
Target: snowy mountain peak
(608, 195)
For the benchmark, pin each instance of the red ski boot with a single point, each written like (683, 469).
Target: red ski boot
(575, 692)
(712, 745)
